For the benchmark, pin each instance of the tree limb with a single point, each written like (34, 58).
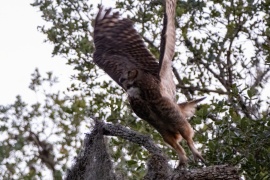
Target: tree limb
(211, 172)
(185, 91)
(260, 78)
(130, 135)
(194, 88)
(94, 158)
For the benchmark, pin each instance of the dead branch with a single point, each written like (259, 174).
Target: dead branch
(95, 162)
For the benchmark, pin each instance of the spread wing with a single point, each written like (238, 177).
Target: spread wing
(167, 50)
(118, 46)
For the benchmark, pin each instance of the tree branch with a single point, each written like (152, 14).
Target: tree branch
(151, 43)
(211, 172)
(194, 88)
(198, 58)
(95, 163)
(185, 91)
(260, 77)
(130, 135)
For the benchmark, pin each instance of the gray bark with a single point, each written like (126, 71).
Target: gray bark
(94, 161)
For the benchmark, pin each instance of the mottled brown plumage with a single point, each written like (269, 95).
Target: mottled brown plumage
(121, 53)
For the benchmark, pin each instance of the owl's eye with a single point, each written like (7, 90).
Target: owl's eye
(132, 74)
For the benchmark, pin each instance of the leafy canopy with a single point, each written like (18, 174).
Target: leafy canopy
(222, 52)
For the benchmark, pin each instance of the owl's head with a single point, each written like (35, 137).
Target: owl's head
(128, 78)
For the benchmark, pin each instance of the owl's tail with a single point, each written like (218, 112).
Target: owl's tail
(187, 109)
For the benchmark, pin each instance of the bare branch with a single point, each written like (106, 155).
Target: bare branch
(151, 43)
(217, 76)
(260, 77)
(211, 172)
(87, 166)
(130, 135)
(198, 59)
(185, 91)
(229, 62)
(194, 88)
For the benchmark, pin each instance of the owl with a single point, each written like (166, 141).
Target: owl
(122, 54)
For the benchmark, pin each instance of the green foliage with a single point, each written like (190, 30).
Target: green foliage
(222, 52)
(40, 136)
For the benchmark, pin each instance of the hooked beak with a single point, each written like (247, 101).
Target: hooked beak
(121, 80)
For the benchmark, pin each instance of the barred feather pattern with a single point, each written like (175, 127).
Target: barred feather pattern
(119, 47)
(167, 51)
(122, 54)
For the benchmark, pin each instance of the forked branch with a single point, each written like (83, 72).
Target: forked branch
(157, 166)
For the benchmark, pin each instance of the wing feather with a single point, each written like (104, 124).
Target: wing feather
(167, 50)
(119, 47)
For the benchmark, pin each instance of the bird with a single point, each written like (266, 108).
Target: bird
(120, 51)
